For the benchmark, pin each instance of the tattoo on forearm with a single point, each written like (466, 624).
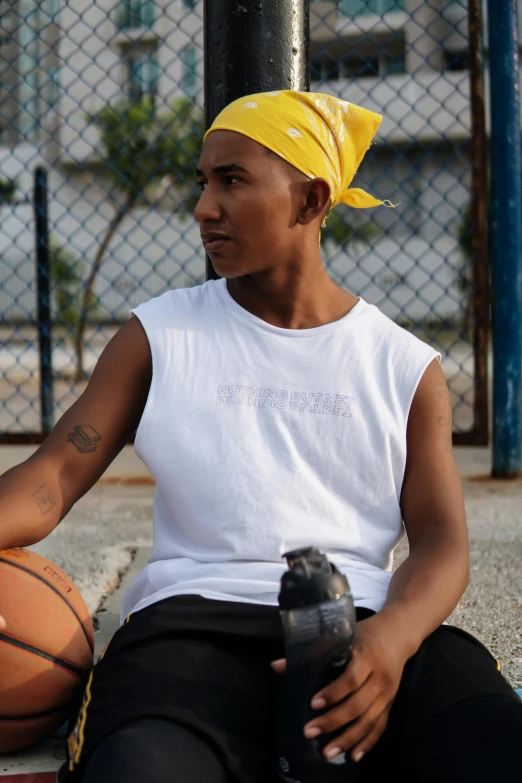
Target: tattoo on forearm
(84, 438)
(44, 498)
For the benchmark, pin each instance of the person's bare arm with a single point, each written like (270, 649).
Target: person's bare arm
(38, 493)
(430, 582)
(423, 591)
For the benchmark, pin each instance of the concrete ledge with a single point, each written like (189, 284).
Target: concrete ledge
(474, 462)
(37, 764)
(126, 468)
(32, 777)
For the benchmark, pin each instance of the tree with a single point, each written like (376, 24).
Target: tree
(464, 270)
(8, 188)
(141, 148)
(66, 274)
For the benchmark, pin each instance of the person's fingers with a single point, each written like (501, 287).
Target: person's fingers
(279, 666)
(353, 677)
(349, 710)
(362, 748)
(361, 735)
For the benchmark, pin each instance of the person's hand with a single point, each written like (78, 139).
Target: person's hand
(362, 696)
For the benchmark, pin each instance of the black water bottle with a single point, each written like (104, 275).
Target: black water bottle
(318, 619)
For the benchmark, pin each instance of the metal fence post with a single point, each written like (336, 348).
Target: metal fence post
(481, 297)
(506, 235)
(253, 46)
(43, 294)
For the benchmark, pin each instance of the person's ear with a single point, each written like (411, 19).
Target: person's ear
(317, 199)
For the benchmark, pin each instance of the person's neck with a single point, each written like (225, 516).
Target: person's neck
(292, 301)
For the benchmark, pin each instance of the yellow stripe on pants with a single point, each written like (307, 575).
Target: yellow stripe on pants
(76, 738)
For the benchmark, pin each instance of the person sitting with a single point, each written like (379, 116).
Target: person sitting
(275, 410)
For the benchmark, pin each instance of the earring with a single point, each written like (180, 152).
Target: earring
(323, 224)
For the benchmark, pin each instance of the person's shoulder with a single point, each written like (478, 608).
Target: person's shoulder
(174, 303)
(383, 324)
(394, 335)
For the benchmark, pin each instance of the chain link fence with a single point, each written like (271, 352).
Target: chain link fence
(108, 98)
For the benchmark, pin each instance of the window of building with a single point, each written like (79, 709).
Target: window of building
(25, 85)
(142, 73)
(52, 8)
(357, 67)
(188, 56)
(389, 57)
(456, 61)
(354, 8)
(136, 13)
(52, 90)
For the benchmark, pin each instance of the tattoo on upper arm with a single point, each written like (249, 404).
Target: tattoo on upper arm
(44, 498)
(444, 414)
(84, 437)
(447, 442)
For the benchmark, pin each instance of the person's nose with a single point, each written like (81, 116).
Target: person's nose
(207, 208)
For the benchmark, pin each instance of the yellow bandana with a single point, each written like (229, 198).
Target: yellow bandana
(320, 135)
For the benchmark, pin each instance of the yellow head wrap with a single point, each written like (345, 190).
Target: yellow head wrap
(320, 135)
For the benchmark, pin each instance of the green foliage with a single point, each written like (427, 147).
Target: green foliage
(464, 271)
(67, 272)
(142, 149)
(344, 228)
(465, 232)
(141, 146)
(8, 188)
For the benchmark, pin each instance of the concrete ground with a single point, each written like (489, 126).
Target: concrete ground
(106, 539)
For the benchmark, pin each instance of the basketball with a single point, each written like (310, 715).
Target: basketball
(46, 649)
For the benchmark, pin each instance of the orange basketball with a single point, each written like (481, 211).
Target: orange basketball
(46, 649)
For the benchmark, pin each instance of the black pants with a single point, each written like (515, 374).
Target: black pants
(185, 692)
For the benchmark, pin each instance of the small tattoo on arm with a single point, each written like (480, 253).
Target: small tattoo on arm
(444, 419)
(84, 438)
(44, 498)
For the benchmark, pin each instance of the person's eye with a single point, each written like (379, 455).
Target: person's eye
(230, 177)
(201, 185)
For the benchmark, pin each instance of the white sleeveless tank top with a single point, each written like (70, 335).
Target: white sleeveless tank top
(263, 439)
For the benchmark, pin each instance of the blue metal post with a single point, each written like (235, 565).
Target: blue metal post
(506, 219)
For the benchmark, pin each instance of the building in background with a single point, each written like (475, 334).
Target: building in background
(102, 52)
(406, 59)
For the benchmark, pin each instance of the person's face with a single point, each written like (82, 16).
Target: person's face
(249, 199)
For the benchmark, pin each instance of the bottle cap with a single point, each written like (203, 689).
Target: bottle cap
(311, 579)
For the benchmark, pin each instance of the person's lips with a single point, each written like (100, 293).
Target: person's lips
(213, 241)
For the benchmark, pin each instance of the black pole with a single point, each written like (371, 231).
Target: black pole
(43, 298)
(253, 46)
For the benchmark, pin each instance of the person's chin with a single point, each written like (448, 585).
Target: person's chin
(226, 272)
(225, 265)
